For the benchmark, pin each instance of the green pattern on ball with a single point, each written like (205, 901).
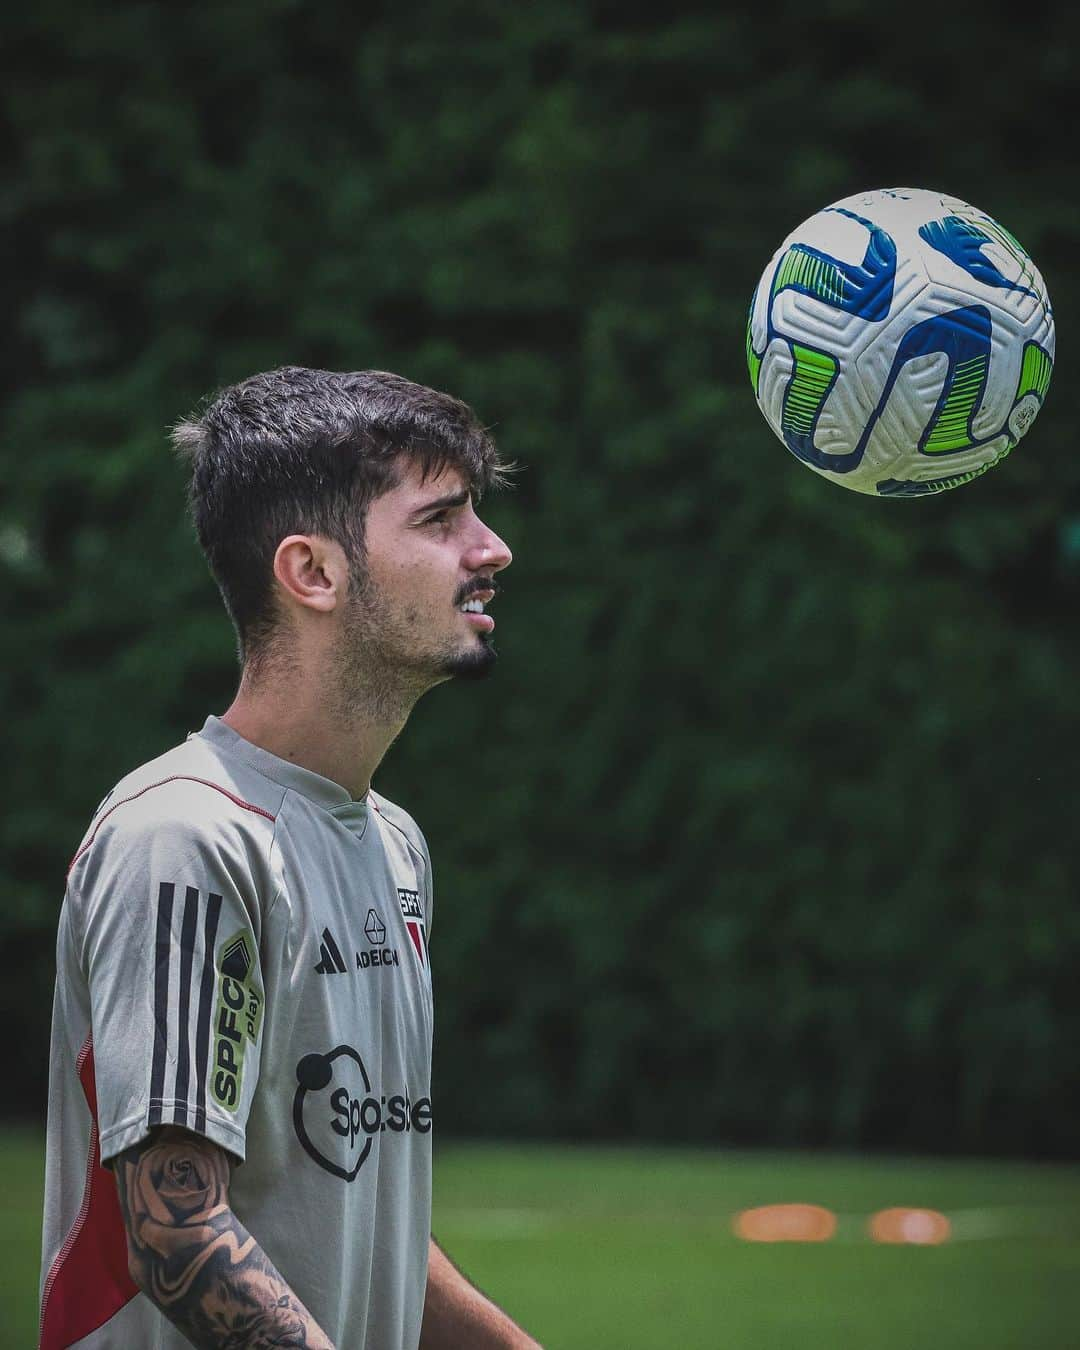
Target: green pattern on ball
(1012, 245)
(753, 361)
(1035, 372)
(810, 382)
(802, 269)
(952, 429)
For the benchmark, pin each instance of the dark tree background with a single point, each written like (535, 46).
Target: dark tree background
(765, 829)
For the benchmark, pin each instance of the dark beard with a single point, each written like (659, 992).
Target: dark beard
(472, 665)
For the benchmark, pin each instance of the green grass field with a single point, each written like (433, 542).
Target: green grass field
(609, 1249)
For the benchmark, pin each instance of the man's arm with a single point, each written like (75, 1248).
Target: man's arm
(194, 1259)
(457, 1314)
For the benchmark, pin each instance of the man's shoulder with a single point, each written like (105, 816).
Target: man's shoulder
(192, 789)
(399, 819)
(394, 820)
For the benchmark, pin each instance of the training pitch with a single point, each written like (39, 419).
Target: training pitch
(616, 1249)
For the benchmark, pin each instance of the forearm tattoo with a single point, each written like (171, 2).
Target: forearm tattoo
(195, 1260)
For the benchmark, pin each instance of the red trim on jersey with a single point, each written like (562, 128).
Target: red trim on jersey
(173, 778)
(88, 1282)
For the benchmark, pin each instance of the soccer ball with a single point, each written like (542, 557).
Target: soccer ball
(900, 342)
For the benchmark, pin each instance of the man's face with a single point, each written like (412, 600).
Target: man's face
(428, 574)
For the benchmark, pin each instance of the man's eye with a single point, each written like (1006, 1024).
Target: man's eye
(439, 518)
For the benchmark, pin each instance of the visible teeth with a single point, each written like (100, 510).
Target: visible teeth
(473, 607)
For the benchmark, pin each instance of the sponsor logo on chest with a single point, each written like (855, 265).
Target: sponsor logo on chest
(339, 1114)
(377, 954)
(332, 962)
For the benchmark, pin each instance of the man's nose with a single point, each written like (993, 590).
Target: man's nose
(489, 553)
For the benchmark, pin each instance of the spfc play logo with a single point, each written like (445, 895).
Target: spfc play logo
(413, 912)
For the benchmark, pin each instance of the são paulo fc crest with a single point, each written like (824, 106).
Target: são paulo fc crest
(413, 912)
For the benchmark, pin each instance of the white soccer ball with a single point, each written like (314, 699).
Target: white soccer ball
(900, 342)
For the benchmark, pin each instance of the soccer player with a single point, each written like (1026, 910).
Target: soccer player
(239, 1138)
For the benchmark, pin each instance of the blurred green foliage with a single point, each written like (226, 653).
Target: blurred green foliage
(763, 829)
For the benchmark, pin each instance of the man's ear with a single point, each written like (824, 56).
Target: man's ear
(312, 571)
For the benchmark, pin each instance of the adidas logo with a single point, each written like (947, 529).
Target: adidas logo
(332, 962)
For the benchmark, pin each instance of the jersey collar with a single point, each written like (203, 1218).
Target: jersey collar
(322, 791)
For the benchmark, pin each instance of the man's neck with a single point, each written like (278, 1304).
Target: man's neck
(345, 745)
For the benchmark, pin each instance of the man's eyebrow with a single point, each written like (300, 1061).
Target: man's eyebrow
(442, 503)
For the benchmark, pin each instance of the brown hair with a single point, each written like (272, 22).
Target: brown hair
(298, 451)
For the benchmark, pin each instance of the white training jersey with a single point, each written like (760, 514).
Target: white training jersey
(243, 951)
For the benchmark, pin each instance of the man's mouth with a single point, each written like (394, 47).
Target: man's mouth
(474, 608)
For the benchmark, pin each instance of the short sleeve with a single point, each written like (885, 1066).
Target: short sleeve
(169, 909)
(427, 887)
